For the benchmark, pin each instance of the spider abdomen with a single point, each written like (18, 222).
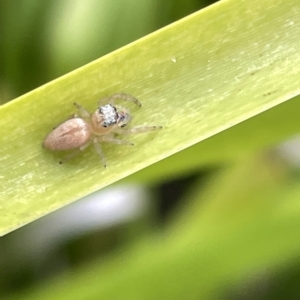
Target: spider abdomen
(69, 135)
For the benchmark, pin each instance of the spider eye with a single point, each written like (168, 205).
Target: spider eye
(123, 125)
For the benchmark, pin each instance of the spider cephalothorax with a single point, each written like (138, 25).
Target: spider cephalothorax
(109, 115)
(113, 115)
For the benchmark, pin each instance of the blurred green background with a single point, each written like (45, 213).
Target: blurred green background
(227, 231)
(42, 40)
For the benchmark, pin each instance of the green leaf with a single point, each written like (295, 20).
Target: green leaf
(196, 77)
(244, 222)
(262, 131)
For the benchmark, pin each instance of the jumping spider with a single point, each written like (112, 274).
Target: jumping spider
(101, 126)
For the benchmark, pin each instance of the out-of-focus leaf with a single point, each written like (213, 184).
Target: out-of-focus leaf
(246, 221)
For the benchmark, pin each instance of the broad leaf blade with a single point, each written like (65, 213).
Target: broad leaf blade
(196, 77)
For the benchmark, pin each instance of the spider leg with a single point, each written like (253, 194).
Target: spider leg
(124, 97)
(100, 152)
(109, 139)
(136, 129)
(84, 113)
(74, 153)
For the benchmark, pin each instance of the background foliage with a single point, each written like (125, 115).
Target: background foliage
(223, 224)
